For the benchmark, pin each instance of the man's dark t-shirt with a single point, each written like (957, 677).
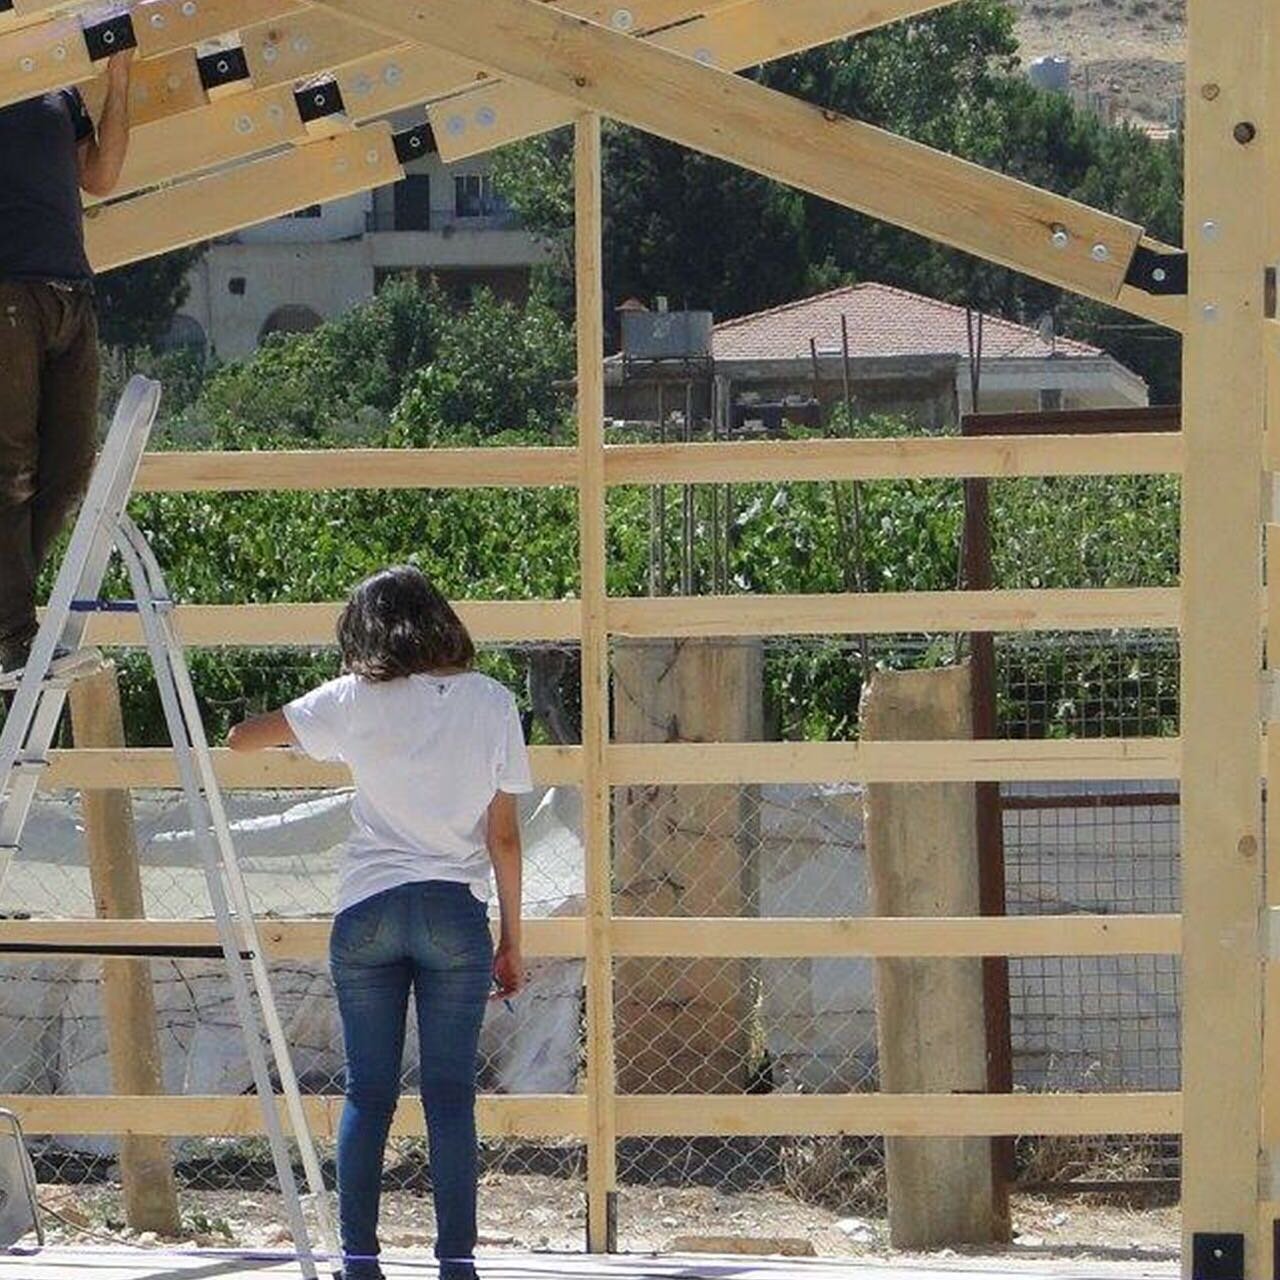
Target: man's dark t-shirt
(41, 220)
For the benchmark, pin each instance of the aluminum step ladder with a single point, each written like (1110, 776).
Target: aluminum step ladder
(39, 693)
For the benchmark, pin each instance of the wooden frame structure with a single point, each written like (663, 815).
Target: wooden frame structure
(230, 137)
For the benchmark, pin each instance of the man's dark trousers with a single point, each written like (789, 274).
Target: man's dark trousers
(48, 425)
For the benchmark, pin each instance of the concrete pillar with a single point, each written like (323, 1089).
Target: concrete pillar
(684, 1025)
(922, 851)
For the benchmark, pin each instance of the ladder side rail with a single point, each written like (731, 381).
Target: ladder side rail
(36, 709)
(242, 904)
(150, 616)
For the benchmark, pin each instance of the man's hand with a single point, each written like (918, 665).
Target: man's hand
(119, 69)
(508, 972)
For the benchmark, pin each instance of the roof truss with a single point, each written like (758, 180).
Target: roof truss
(212, 111)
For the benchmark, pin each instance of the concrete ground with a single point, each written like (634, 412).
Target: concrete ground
(121, 1264)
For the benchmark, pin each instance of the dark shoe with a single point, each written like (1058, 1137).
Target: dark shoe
(458, 1271)
(360, 1271)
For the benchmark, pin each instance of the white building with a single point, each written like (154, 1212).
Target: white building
(443, 222)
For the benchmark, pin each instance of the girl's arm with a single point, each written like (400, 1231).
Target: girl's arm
(260, 732)
(507, 855)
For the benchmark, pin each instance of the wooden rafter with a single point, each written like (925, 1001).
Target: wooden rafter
(814, 149)
(169, 147)
(172, 217)
(495, 114)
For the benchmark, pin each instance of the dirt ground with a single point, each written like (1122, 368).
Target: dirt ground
(1134, 48)
(541, 1213)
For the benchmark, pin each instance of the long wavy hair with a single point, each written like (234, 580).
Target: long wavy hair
(397, 624)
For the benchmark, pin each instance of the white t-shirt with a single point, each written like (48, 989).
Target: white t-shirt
(427, 755)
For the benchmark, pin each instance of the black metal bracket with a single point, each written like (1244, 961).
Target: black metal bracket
(1158, 273)
(1216, 1256)
(319, 100)
(415, 143)
(115, 35)
(227, 66)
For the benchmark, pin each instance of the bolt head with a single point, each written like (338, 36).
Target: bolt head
(486, 117)
(1209, 92)
(1100, 253)
(1060, 238)
(27, 64)
(622, 20)
(1245, 132)
(1210, 311)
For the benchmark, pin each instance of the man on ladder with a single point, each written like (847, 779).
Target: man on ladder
(49, 152)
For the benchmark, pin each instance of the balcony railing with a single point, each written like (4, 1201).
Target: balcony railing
(492, 218)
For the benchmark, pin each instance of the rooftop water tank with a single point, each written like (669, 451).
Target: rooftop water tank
(1052, 73)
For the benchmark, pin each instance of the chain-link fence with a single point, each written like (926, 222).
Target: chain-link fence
(702, 1026)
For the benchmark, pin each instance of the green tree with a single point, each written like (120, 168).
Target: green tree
(137, 303)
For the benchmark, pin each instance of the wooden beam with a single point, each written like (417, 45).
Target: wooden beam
(1231, 237)
(738, 462)
(312, 470)
(497, 114)
(597, 822)
(556, 937)
(173, 217)
(718, 1115)
(935, 457)
(899, 1115)
(848, 162)
(1048, 760)
(564, 937)
(376, 75)
(688, 764)
(895, 614)
(154, 767)
(899, 937)
(526, 1116)
(527, 621)
(314, 625)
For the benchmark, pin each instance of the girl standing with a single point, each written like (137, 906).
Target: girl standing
(437, 755)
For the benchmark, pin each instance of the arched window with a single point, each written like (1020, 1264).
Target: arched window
(185, 334)
(290, 319)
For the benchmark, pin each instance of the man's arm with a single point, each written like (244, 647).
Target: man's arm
(102, 157)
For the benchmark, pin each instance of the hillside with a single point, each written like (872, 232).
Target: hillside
(1135, 48)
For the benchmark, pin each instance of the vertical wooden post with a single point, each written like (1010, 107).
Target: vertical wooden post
(979, 575)
(1269, 1196)
(601, 1124)
(1228, 141)
(146, 1164)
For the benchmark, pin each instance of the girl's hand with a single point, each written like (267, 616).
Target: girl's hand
(508, 972)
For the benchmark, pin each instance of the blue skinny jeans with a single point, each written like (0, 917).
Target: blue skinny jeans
(430, 939)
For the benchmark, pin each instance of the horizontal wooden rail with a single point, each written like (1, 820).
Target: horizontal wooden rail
(934, 457)
(558, 621)
(685, 764)
(715, 763)
(776, 938)
(688, 1115)
(109, 769)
